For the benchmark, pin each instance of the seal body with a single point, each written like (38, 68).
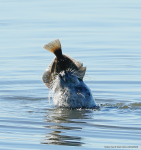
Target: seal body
(64, 77)
(71, 92)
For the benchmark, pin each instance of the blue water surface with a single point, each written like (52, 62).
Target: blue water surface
(105, 35)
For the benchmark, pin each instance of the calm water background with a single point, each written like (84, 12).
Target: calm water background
(106, 36)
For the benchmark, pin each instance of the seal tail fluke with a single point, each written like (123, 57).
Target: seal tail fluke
(54, 47)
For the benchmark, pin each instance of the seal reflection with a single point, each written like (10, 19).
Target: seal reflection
(65, 123)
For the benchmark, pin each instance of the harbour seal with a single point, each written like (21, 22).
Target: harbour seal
(64, 77)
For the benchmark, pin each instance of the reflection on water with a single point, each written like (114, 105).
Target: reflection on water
(56, 138)
(65, 117)
(71, 127)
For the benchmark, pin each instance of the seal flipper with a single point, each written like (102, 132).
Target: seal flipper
(54, 47)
